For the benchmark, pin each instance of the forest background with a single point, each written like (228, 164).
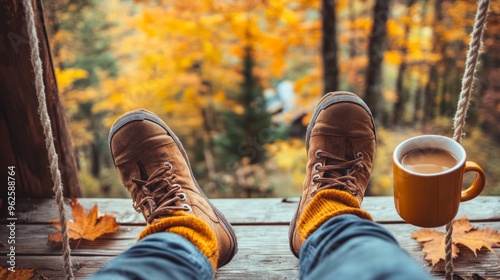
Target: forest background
(238, 81)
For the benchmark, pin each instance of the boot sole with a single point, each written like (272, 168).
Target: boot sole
(326, 101)
(141, 115)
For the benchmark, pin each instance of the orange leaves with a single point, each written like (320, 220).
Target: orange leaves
(463, 233)
(85, 226)
(393, 57)
(17, 273)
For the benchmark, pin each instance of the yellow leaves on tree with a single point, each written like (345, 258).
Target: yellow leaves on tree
(463, 233)
(85, 226)
(185, 57)
(66, 77)
(17, 274)
(80, 134)
(289, 155)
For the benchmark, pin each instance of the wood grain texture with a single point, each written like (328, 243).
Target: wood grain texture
(263, 252)
(22, 138)
(261, 227)
(251, 211)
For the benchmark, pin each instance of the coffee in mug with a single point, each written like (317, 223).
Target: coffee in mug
(428, 160)
(428, 171)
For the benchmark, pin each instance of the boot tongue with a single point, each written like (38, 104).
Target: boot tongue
(348, 153)
(142, 171)
(340, 147)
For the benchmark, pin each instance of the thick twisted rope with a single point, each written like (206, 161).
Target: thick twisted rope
(470, 69)
(47, 129)
(463, 105)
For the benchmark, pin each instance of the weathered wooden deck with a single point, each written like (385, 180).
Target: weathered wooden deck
(261, 226)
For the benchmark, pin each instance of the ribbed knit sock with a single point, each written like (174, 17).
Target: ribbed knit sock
(190, 227)
(325, 205)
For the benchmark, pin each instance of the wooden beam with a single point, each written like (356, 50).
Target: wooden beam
(22, 140)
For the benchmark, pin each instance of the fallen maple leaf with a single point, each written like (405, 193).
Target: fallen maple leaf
(18, 274)
(85, 226)
(463, 233)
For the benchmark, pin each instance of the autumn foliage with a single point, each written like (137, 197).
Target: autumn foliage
(19, 274)
(188, 61)
(84, 226)
(464, 234)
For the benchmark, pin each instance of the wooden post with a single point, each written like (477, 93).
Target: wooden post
(22, 141)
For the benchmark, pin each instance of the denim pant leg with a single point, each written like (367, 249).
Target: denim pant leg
(348, 247)
(158, 256)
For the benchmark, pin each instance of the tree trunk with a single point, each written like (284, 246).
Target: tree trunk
(418, 112)
(96, 162)
(376, 48)
(329, 46)
(432, 83)
(352, 40)
(401, 95)
(23, 140)
(429, 96)
(208, 152)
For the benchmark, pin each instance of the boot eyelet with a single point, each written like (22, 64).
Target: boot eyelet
(316, 176)
(316, 154)
(315, 167)
(314, 191)
(177, 186)
(187, 207)
(355, 191)
(168, 165)
(137, 209)
(359, 155)
(182, 196)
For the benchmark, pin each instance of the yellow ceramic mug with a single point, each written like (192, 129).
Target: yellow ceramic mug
(432, 200)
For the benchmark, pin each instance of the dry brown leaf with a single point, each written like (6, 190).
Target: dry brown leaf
(18, 274)
(85, 226)
(463, 233)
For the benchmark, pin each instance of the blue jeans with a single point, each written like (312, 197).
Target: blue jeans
(161, 255)
(348, 247)
(345, 247)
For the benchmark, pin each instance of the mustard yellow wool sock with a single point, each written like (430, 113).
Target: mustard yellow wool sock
(324, 205)
(190, 227)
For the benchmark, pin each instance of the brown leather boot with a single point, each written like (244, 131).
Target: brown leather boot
(340, 143)
(155, 169)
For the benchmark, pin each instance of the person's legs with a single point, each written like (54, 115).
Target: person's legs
(161, 255)
(349, 247)
(334, 236)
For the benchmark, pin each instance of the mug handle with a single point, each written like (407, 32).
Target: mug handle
(477, 186)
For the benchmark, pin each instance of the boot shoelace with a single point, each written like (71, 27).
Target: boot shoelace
(332, 177)
(158, 194)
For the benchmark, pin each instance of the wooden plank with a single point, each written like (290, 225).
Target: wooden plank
(263, 251)
(250, 211)
(51, 267)
(263, 248)
(21, 134)
(246, 267)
